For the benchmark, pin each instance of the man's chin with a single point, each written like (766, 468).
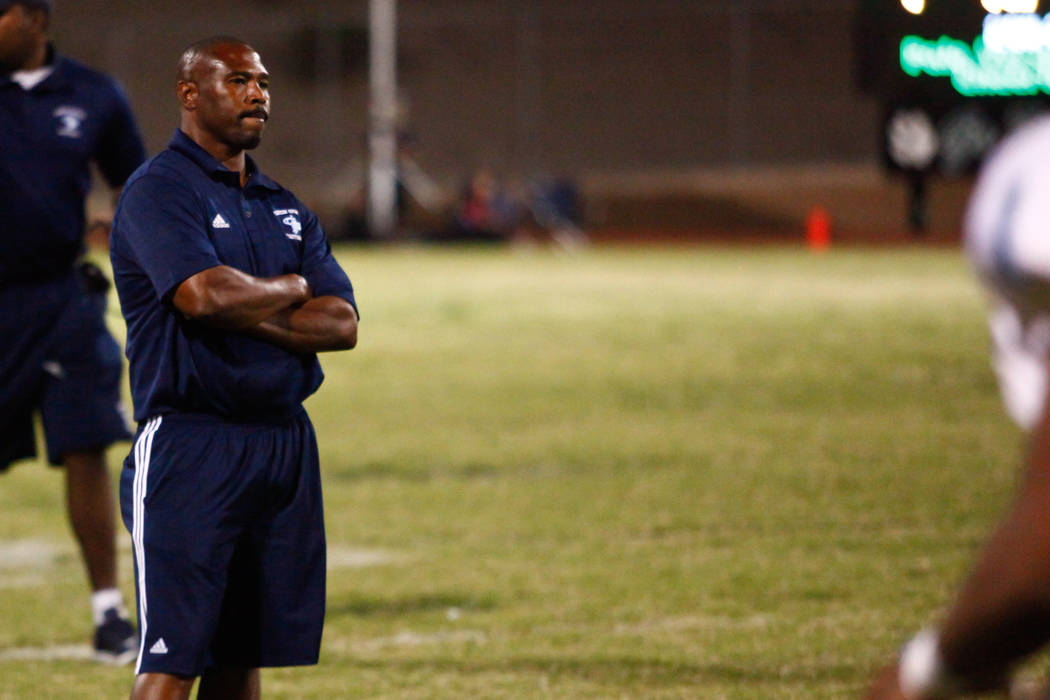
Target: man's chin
(248, 141)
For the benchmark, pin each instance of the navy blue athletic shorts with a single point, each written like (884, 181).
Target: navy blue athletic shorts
(59, 359)
(228, 530)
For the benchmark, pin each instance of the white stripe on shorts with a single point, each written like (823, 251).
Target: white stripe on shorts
(143, 447)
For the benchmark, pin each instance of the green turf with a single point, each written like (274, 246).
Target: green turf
(687, 473)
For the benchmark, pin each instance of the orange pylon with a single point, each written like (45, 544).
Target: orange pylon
(818, 228)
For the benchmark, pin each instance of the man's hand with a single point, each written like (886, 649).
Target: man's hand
(321, 324)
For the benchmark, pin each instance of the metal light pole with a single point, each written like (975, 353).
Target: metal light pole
(382, 133)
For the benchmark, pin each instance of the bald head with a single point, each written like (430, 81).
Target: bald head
(197, 55)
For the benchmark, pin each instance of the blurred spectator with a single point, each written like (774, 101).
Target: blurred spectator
(486, 211)
(557, 210)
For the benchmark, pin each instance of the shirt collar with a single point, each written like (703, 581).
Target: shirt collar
(29, 79)
(58, 79)
(210, 164)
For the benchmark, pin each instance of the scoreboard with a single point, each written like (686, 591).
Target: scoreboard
(952, 76)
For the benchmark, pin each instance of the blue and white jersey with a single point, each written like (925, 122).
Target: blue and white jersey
(49, 136)
(181, 213)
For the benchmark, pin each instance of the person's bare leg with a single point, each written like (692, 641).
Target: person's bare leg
(92, 513)
(161, 686)
(230, 683)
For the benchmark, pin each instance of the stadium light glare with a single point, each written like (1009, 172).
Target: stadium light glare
(1016, 33)
(1011, 6)
(916, 7)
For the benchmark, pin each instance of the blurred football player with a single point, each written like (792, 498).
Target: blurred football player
(1002, 613)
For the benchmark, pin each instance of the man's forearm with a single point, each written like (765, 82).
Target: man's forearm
(321, 324)
(225, 297)
(1002, 612)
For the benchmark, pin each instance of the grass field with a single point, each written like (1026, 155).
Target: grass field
(688, 473)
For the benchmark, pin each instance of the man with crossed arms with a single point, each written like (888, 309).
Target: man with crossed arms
(229, 289)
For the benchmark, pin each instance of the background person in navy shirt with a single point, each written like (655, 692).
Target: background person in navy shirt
(56, 117)
(229, 290)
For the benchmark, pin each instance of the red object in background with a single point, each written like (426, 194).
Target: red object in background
(818, 228)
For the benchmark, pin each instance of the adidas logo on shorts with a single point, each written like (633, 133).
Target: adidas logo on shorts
(159, 648)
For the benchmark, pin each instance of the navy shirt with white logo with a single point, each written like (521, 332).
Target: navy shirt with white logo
(183, 212)
(49, 136)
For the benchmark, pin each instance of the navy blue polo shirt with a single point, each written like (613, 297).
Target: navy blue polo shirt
(49, 136)
(183, 212)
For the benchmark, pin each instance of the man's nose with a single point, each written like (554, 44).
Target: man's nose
(256, 94)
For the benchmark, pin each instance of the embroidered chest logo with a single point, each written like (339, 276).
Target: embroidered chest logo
(70, 121)
(290, 219)
(219, 222)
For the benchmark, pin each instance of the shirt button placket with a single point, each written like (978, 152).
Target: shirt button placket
(251, 232)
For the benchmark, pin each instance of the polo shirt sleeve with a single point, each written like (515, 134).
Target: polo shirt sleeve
(160, 223)
(120, 150)
(320, 267)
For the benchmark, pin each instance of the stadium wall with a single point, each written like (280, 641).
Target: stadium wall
(607, 93)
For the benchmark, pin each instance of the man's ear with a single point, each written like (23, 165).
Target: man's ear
(187, 92)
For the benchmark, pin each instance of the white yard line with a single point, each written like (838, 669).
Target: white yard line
(22, 580)
(344, 557)
(410, 639)
(30, 554)
(62, 652)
